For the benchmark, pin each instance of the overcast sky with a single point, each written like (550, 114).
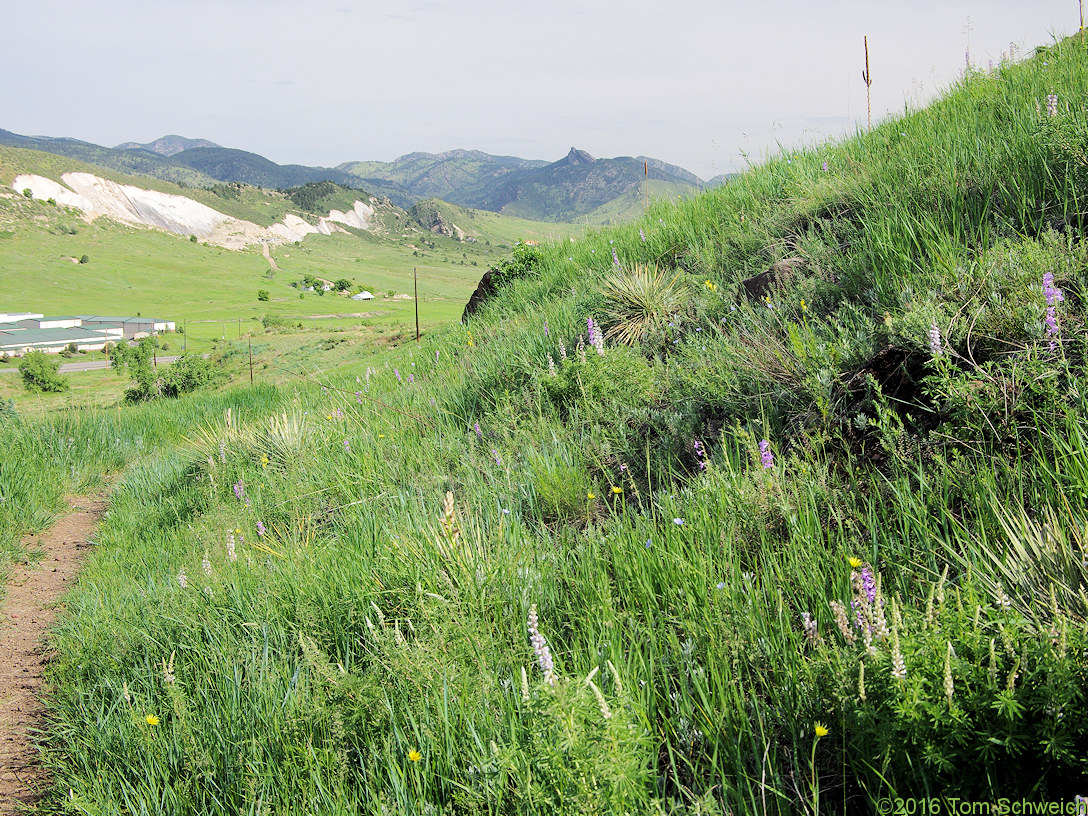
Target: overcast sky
(693, 82)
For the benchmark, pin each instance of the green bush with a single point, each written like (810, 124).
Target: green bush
(40, 373)
(188, 373)
(263, 295)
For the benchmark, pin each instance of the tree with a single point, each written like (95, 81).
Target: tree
(343, 284)
(263, 294)
(188, 373)
(42, 373)
(85, 259)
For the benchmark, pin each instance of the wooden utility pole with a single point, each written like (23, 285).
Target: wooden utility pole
(868, 84)
(251, 360)
(415, 293)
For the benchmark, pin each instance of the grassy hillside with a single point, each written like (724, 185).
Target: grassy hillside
(132, 269)
(771, 502)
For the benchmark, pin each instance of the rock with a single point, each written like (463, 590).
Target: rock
(484, 289)
(759, 285)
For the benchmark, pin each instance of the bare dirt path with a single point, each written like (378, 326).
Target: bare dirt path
(268, 255)
(26, 612)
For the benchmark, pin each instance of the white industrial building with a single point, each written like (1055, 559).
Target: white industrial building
(22, 332)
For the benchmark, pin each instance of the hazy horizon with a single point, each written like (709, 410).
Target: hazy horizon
(706, 86)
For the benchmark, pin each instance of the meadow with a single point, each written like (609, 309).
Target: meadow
(773, 501)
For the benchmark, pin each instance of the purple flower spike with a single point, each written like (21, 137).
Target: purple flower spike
(765, 455)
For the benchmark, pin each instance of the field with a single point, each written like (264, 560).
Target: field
(772, 502)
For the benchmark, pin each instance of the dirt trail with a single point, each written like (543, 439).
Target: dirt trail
(26, 613)
(268, 255)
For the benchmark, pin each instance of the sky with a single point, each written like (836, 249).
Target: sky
(710, 86)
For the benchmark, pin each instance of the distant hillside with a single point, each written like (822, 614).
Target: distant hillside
(572, 189)
(140, 162)
(459, 176)
(229, 164)
(201, 164)
(578, 183)
(167, 145)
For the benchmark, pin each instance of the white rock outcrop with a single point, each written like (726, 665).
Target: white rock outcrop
(95, 196)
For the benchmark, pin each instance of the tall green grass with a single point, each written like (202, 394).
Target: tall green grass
(866, 580)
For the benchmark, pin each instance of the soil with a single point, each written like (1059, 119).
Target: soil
(26, 613)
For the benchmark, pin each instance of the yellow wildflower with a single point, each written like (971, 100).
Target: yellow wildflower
(264, 461)
(414, 755)
(804, 306)
(854, 561)
(590, 496)
(821, 730)
(617, 490)
(152, 719)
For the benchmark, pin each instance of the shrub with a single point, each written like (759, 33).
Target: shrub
(42, 373)
(188, 373)
(639, 300)
(85, 259)
(263, 295)
(522, 264)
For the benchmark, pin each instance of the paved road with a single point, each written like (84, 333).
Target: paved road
(90, 365)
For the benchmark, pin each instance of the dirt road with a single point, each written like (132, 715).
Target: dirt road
(26, 613)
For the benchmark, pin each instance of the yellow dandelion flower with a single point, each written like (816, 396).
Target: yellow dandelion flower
(414, 755)
(152, 719)
(617, 490)
(381, 436)
(328, 416)
(821, 730)
(854, 561)
(264, 461)
(590, 496)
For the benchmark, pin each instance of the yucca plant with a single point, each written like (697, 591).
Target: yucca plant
(639, 299)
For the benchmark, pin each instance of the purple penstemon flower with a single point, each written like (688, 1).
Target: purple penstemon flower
(868, 582)
(397, 372)
(239, 490)
(260, 528)
(615, 258)
(700, 453)
(476, 427)
(765, 455)
(642, 235)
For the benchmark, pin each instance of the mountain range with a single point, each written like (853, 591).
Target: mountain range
(576, 187)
